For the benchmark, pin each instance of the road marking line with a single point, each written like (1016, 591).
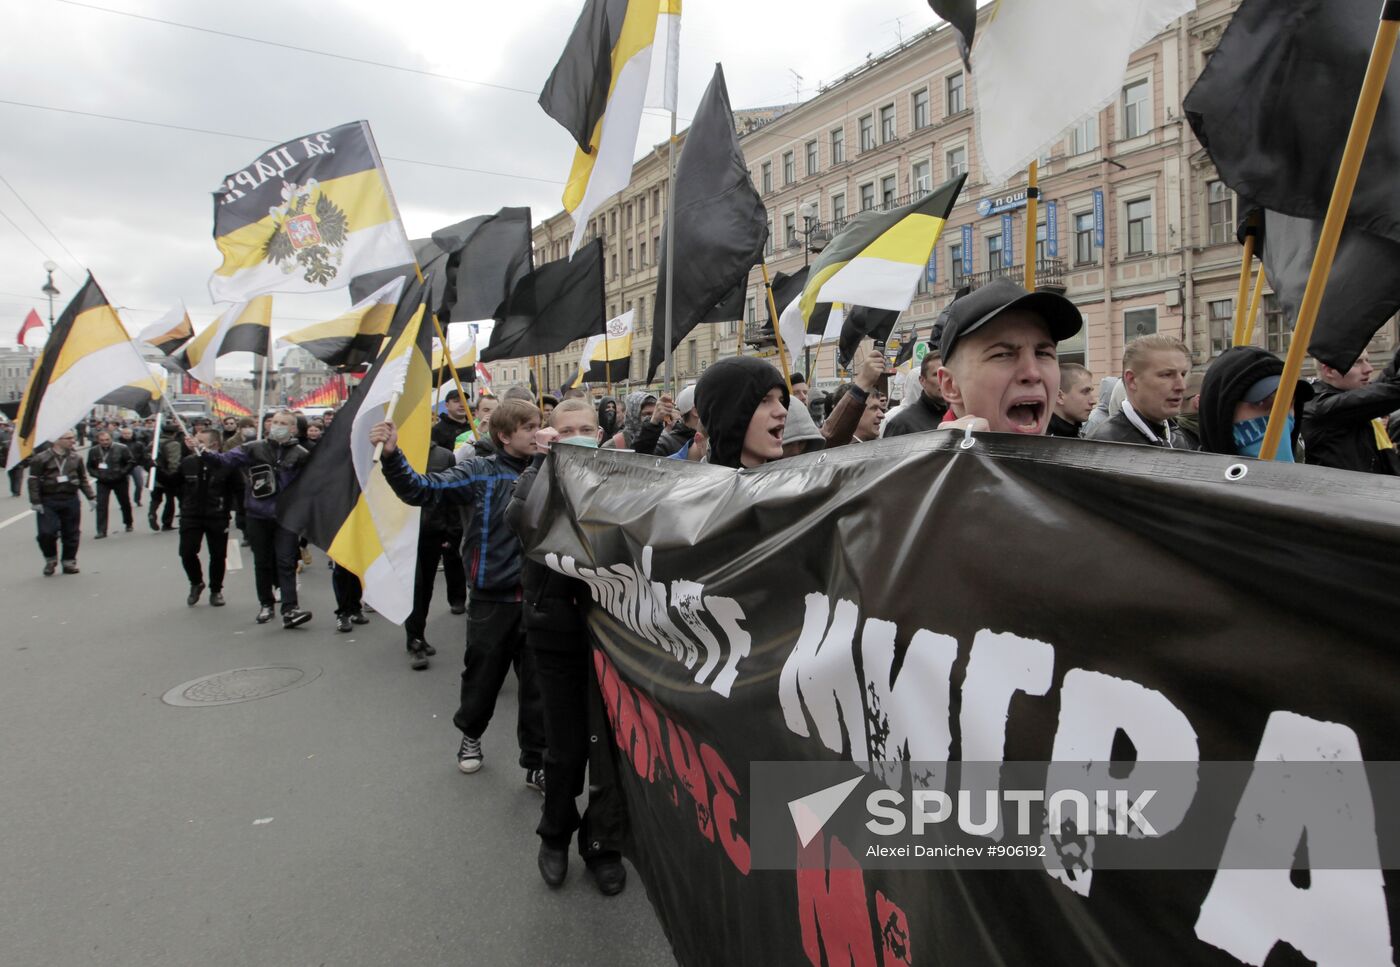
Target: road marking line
(21, 516)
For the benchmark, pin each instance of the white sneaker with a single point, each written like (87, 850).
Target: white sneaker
(469, 755)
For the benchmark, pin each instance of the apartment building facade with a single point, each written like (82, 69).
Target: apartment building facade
(1134, 224)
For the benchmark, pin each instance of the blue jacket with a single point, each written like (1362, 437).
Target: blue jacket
(481, 487)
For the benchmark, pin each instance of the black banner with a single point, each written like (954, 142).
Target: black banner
(937, 597)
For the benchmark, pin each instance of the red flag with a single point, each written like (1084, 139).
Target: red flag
(31, 321)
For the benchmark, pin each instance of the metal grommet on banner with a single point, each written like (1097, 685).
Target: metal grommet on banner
(968, 442)
(592, 738)
(1236, 471)
(822, 458)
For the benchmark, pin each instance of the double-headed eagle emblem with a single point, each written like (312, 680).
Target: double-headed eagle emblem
(309, 230)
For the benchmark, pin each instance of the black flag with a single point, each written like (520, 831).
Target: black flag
(1276, 136)
(551, 307)
(962, 14)
(721, 225)
(487, 256)
(859, 323)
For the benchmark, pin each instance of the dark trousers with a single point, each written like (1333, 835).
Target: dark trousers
(275, 554)
(167, 487)
(16, 477)
(576, 733)
(348, 591)
(495, 642)
(62, 516)
(105, 490)
(212, 532)
(433, 546)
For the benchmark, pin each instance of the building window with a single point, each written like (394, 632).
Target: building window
(1139, 322)
(642, 208)
(768, 246)
(993, 252)
(642, 254)
(838, 210)
(789, 168)
(641, 311)
(955, 260)
(887, 129)
(920, 112)
(838, 145)
(1084, 238)
(922, 177)
(790, 230)
(751, 312)
(867, 132)
(656, 246)
(1137, 110)
(766, 176)
(1040, 242)
(867, 197)
(1220, 205)
(887, 190)
(627, 217)
(631, 261)
(957, 161)
(1221, 314)
(613, 273)
(811, 157)
(954, 85)
(612, 222)
(1278, 330)
(1084, 136)
(1139, 214)
(656, 201)
(693, 359)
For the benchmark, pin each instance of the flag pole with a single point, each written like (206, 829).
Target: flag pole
(1254, 301)
(671, 251)
(1251, 231)
(155, 452)
(1032, 209)
(1366, 105)
(451, 366)
(262, 393)
(777, 329)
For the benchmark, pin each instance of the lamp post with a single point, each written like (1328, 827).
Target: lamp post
(50, 289)
(809, 212)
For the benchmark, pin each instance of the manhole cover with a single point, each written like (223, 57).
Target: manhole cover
(239, 685)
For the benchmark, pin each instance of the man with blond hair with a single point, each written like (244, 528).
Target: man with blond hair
(1154, 377)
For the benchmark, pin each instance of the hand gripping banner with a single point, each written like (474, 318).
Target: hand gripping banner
(881, 614)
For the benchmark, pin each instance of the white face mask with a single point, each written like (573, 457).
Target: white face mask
(279, 434)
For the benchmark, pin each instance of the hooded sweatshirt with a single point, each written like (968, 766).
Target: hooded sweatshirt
(726, 398)
(1227, 380)
(632, 414)
(607, 424)
(801, 428)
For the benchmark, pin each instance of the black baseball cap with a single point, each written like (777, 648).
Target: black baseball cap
(981, 306)
(452, 394)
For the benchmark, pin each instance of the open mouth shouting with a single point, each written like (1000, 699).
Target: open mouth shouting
(1026, 414)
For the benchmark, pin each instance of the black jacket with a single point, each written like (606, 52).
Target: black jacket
(925, 413)
(446, 431)
(1337, 429)
(1230, 376)
(727, 397)
(206, 490)
(1120, 430)
(672, 440)
(1063, 428)
(117, 458)
(57, 476)
(555, 604)
(481, 488)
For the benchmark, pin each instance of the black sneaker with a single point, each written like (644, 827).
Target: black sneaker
(534, 779)
(216, 599)
(417, 657)
(295, 618)
(429, 650)
(359, 618)
(167, 527)
(469, 755)
(458, 608)
(155, 524)
(265, 614)
(342, 622)
(50, 566)
(195, 591)
(554, 865)
(99, 537)
(128, 528)
(70, 567)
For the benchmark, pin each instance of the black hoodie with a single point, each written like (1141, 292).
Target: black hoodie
(1227, 380)
(726, 398)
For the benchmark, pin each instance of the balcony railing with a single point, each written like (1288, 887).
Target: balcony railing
(1049, 274)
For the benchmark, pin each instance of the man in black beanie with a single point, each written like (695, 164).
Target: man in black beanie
(742, 402)
(1236, 398)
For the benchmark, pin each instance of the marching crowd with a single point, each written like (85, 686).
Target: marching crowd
(993, 366)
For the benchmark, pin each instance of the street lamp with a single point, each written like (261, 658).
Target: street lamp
(50, 289)
(809, 213)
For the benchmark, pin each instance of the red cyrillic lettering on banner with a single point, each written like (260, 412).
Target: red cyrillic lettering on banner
(831, 906)
(628, 728)
(657, 768)
(723, 809)
(691, 772)
(609, 685)
(895, 947)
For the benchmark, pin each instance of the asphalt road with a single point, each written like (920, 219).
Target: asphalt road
(325, 824)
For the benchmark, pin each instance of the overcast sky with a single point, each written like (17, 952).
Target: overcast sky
(131, 202)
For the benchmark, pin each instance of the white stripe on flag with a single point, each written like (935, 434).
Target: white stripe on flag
(873, 282)
(164, 324)
(665, 62)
